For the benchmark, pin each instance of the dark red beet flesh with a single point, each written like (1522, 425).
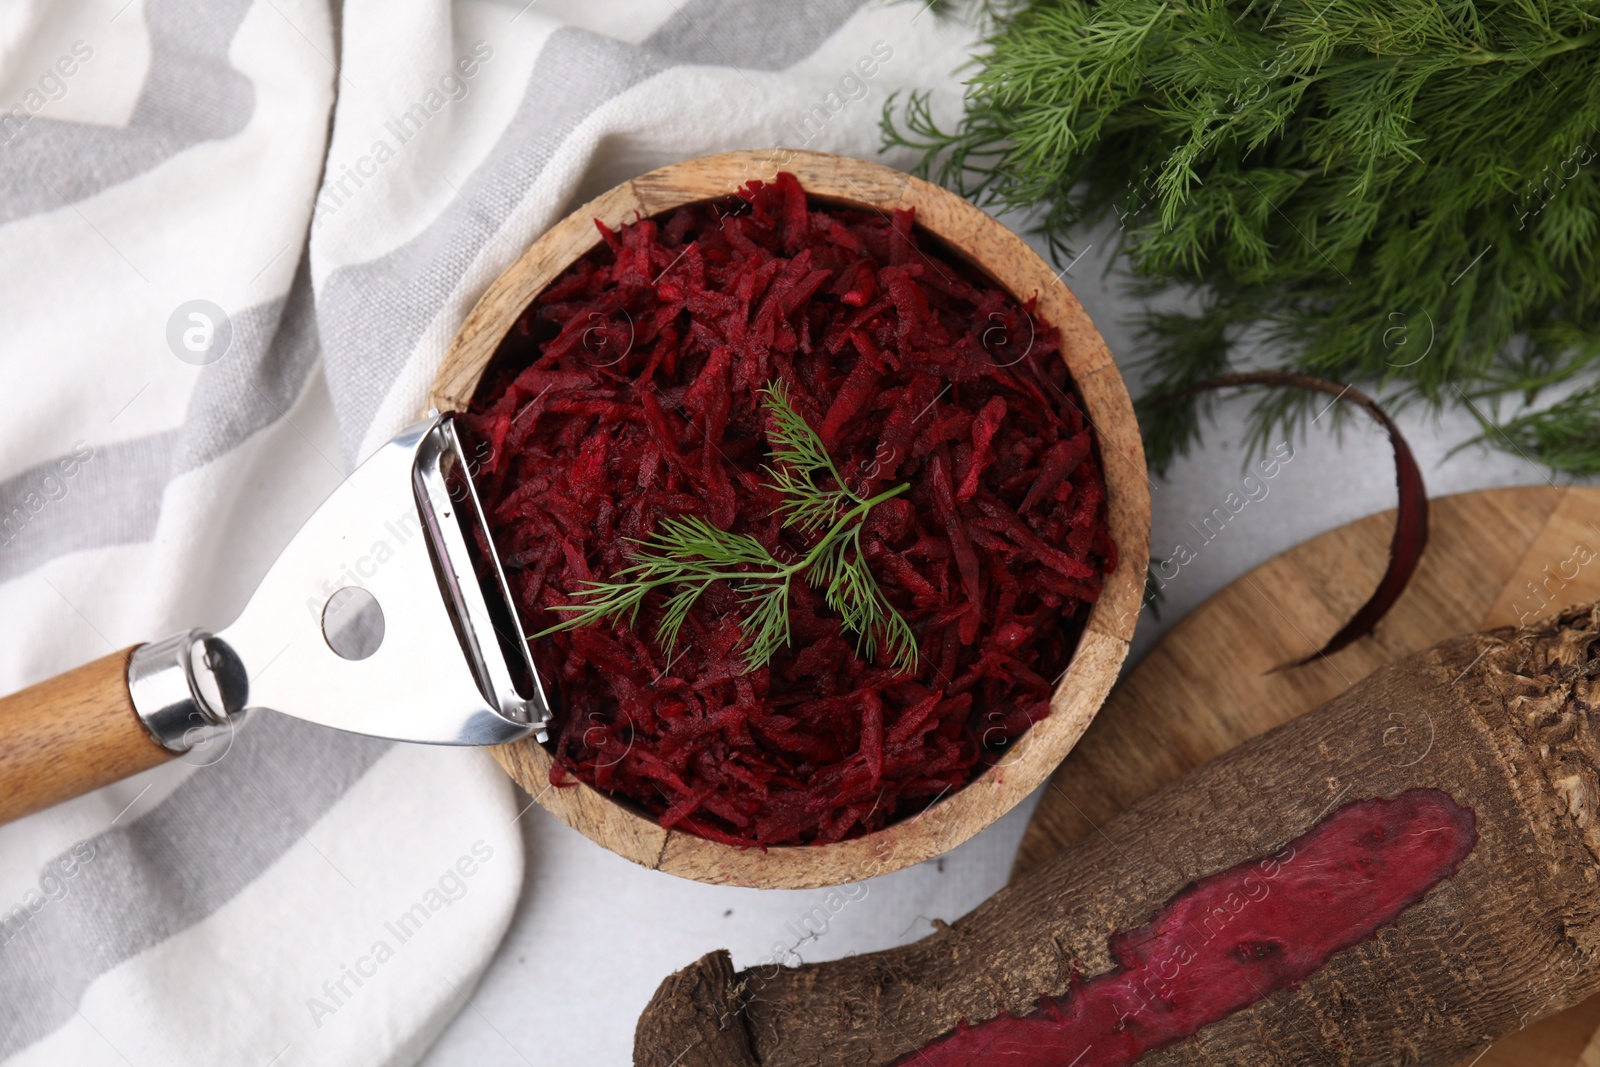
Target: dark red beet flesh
(630, 392)
(1234, 938)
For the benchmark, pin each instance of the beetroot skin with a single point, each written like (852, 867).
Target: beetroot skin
(629, 392)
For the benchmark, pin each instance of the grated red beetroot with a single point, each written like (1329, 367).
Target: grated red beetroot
(629, 393)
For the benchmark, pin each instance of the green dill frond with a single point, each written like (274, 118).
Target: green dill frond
(675, 612)
(687, 555)
(1566, 434)
(794, 443)
(603, 600)
(767, 626)
(802, 505)
(801, 456)
(689, 540)
(850, 589)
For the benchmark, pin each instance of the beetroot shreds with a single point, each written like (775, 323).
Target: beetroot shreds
(629, 392)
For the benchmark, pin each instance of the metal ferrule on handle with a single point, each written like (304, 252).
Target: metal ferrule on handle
(188, 689)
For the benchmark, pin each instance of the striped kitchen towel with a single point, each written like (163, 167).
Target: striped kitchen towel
(236, 237)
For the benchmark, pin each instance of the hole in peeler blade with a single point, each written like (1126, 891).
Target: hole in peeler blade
(352, 623)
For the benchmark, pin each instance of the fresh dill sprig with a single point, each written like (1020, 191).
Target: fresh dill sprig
(686, 554)
(1404, 193)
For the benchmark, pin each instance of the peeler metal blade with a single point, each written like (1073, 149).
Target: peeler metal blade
(388, 614)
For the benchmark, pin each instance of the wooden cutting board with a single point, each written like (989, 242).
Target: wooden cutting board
(1493, 557)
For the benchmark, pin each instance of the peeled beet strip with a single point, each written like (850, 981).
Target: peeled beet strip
(1411, 518)
(630, 392)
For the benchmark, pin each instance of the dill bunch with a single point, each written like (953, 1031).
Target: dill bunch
(1394, 192)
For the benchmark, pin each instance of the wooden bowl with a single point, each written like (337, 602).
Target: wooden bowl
(1002, 255)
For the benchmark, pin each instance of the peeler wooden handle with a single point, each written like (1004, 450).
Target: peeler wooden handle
(71, 734)
(116, 717)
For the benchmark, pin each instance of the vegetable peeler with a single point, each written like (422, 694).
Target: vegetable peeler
(388, 614)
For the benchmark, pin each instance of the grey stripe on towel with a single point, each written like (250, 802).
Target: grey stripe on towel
(115, 497)
(191, 94)
(163, 873)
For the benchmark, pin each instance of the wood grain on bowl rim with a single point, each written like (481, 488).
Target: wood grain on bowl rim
(1094, 666)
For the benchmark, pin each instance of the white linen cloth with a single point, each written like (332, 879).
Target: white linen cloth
(338, 187)
(331, 191)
